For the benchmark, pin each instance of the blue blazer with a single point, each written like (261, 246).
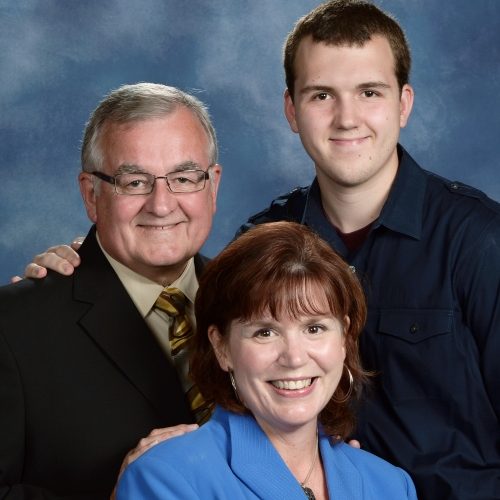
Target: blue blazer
(230, 458)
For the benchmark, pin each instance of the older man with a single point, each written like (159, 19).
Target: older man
(84, 360)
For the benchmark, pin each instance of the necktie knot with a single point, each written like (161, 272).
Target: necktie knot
(172, 301)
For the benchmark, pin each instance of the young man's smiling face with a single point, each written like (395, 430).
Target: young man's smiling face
(348, 111)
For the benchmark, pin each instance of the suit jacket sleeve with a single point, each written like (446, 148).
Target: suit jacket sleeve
(13, 435)
(81, 381)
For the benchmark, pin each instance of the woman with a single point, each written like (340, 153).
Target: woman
(279, 314)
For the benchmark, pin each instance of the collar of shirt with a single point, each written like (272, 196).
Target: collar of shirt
(402, 212)
(144, 292)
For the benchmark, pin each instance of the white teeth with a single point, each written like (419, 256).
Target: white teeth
(292, 385)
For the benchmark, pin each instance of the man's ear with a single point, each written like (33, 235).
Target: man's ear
(220, 348)
(215, 176)
(289, 108)
(406, 104)
(87, 189)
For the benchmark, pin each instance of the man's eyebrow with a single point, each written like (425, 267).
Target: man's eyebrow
(187, 165)
(373, 85)
(316, 88)
(130, 168)
(331, 90)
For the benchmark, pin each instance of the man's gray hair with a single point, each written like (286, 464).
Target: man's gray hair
(141, 101)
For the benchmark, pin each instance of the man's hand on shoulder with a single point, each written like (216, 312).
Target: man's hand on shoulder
(62, 259)
(155, 436)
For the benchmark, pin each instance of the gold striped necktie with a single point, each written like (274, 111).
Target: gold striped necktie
(172, 301)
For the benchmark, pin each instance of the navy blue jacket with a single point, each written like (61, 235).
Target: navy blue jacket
(430, 268)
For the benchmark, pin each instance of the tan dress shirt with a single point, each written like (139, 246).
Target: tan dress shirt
(144, 293)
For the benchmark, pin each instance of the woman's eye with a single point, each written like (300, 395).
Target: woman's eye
(264, 333)
(314, 329)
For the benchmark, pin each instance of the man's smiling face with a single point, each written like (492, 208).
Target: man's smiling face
(348, 110)
(155, 234)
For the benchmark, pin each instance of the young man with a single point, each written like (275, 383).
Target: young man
(426, 249)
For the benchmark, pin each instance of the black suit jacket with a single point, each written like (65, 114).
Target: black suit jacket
(82, 379)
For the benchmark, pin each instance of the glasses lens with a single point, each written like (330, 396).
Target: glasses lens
(134, 183)
(186, 181)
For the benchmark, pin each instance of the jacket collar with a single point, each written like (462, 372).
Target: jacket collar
(115, 325)
(403, 210)
(255, 461)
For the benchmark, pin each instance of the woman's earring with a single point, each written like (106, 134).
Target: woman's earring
(233, 383)
(349, 392)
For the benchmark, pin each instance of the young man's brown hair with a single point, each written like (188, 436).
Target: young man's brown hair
(347, 22)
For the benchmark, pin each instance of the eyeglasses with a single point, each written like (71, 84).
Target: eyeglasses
(141, 183)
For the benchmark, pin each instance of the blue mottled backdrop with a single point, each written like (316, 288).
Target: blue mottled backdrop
(59, 57)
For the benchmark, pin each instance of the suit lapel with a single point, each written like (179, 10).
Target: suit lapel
(257, 463)
(343, 478)
(117, 328)
(200, 261)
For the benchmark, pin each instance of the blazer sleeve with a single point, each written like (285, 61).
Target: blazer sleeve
(411, 493)
(12, 435)
(154, 480)
(11, 424)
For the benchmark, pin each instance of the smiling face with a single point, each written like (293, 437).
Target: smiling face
(348, 111)
(286, 369)
(155, 234)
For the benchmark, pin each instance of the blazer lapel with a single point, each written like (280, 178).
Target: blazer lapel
(257, 463)
(200, 261)
(117, 328)
(343, 478)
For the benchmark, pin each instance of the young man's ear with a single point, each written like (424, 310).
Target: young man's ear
(406, 104)
(87, 189)
(219, 348)
(289, 108)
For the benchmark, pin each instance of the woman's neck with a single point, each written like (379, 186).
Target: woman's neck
(299, 449)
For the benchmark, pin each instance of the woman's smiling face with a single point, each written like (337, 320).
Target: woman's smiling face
(287, 368)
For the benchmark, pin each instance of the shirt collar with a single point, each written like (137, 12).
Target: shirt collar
(143, 291)
(402, 212)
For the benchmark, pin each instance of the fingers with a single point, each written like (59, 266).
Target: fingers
(176, 430)
(77, 242)
(58, 254)
(15, 279)
(157, 436)
(62, 259)
(154, 437)
(33, 270)
(354, 443)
